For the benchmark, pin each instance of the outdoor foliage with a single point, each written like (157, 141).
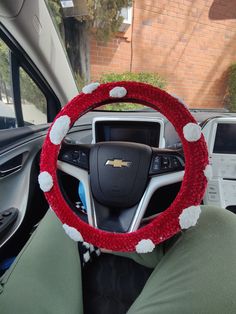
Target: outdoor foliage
(30, 93)
(4, 71)
(55, 8)
(144, 77)
(103, 19)
(104, 16)
(231, 97)
(4, 62)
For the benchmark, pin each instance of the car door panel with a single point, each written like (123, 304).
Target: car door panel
(18, 136)
(16, 177)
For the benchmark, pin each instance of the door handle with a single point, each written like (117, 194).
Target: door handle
(4, 173)
(12, 165)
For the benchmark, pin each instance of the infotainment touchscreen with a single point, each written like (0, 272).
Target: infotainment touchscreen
(225, 139)
(140, 132)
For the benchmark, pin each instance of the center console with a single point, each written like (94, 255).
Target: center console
(220, 135)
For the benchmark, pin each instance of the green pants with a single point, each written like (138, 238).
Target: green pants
(197, 274)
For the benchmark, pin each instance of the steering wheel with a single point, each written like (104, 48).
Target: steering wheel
(119, 178)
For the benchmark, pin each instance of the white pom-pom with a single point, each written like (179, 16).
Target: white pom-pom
(45, 181)
(59, 129)
(145, 246)
(192, 132)
(208, 172)
(73, 233)
(88, 89)
(118, 92)
(189, 217)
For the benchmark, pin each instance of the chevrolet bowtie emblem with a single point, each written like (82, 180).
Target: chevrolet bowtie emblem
(118, 163)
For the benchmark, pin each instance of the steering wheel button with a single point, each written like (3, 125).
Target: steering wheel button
(82, 160)
(6, 213)
(76, 154)
(83, 157)
(175, 162)
(156, 164)
(157, 159)
(66, 156)
(155, 167)
(165, 162)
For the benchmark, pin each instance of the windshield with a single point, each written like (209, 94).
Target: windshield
(184, 47)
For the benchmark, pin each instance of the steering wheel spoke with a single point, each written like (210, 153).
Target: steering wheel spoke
(83, 176)
(114, 219)
(154, 184)
(166, 161)
(76, 155)
(129, 219)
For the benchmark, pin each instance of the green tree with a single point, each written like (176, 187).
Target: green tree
(4, 63)
(104, 17)
(29, 90)
(31, 93)
(103, 20)
(230, 99)
(143, 77)
(56, 12)
(4, 71)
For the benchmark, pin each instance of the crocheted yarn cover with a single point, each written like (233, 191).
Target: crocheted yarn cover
(194, 182)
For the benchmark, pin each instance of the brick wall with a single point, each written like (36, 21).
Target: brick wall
(111, 57)
(191, 43)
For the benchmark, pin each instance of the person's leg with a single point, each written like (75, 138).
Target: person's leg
(149, 260)
(46, 277)
(198, 274)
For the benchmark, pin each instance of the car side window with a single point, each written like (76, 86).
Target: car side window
(33, 101)
(22, 101)
(7, 111)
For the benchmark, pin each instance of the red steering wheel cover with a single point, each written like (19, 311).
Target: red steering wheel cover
(194, 182)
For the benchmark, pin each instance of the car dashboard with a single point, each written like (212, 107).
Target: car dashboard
(153, 129)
